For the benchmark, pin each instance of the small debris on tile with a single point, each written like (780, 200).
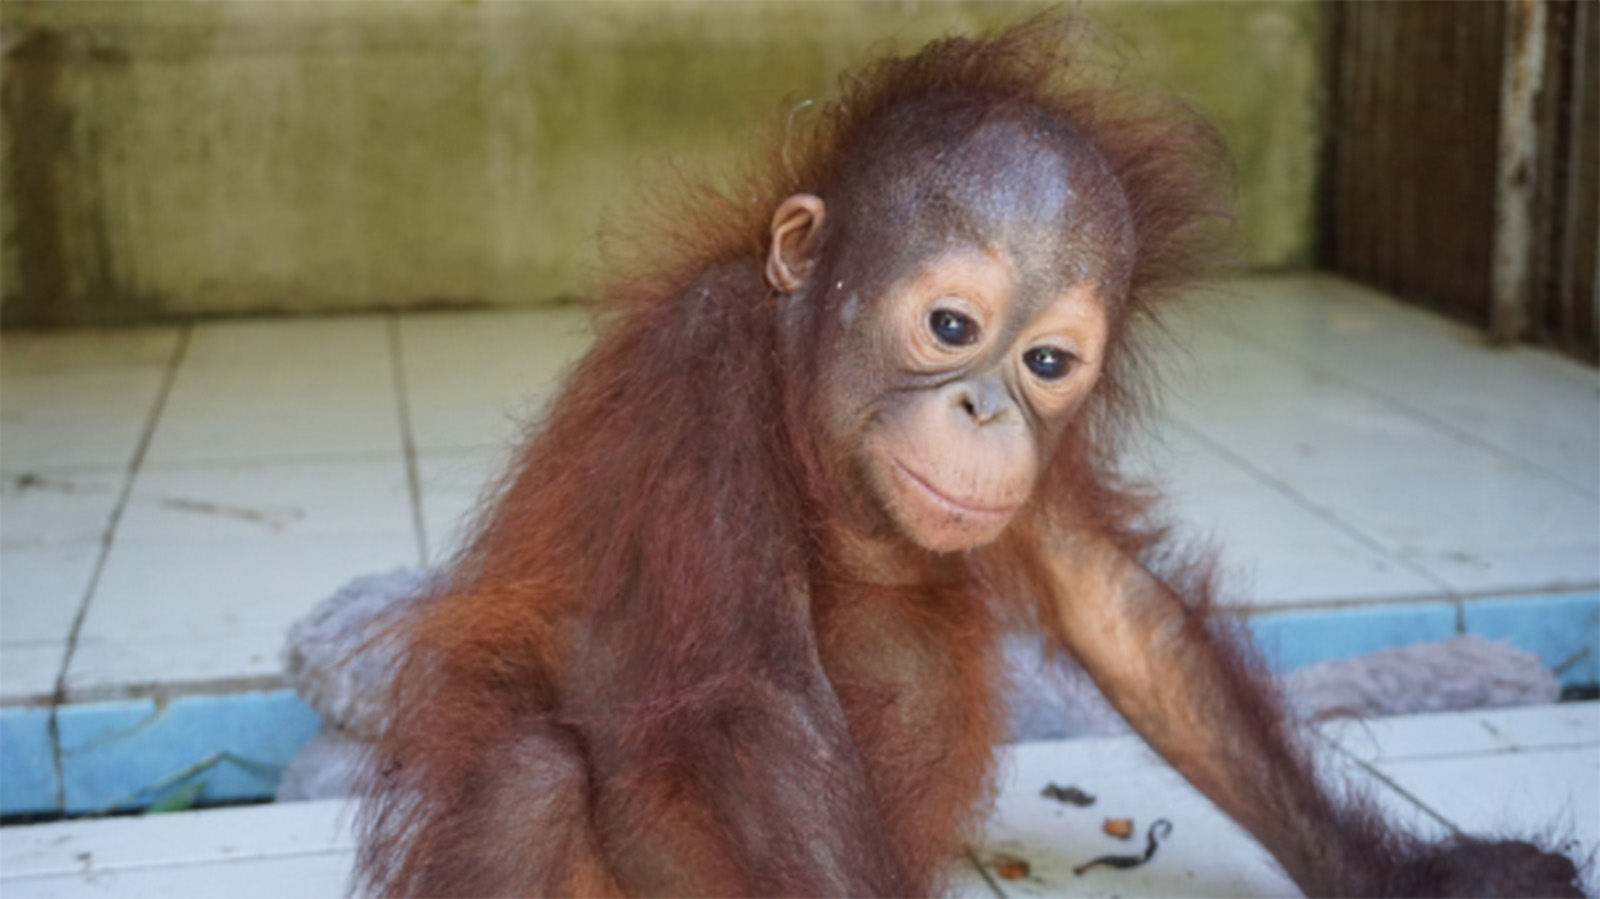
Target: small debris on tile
(1068, 795)
(31, 481)
(1010, 867)
(1160, 829)
(1121, 828)
(272, 518)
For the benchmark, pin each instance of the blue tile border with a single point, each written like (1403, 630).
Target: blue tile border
(117, 751)
(1294, 639)
(1563, 630)
(27, 772)
(111, 751)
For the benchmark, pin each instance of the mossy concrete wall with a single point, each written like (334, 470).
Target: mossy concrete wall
(168, 159)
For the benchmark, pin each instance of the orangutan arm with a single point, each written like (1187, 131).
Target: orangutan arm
(1184, 685)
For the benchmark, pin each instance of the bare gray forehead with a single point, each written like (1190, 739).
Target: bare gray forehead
(1004, 174)
(1038, 191)
(1018, 180)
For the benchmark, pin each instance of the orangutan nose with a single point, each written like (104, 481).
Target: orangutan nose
(986, 400)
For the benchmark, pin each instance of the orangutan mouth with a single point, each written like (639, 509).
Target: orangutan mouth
(964, 508)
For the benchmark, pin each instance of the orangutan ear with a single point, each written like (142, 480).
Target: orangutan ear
(795, 226)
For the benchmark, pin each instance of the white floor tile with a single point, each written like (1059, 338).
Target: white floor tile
(247, 832)
(1204, 855)
(237, 419)
(314, 876)
(340, 345)
(206, 608)
(28, 673)
(48, 507)
(1549, 794)
(1462, 513)
(454, 484)
(1414, 737)
(75, 417)
(1568, 724)
(1522, 772)
(205, 585)
(477, 379)
(281, 389)
(42, 590)
(104, 668)
(294, 849)
(291, 499)
(964, 881)
(1283, 552)
(1529, 403)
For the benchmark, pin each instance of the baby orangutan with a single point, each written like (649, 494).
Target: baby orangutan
(731, 626)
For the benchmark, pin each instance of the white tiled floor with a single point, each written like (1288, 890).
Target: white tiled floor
(190, 491)
(1475, 470)
(305, 849)
(472, 380)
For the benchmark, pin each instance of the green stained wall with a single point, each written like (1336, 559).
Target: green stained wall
(167, 159)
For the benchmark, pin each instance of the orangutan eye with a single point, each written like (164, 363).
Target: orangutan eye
(953, 328)
(1048, 362)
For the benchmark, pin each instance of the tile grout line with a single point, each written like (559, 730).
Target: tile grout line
(332, 457)
(1323, 513)
(1387, 781)
(58, 696)
(179, 864)
(1239, 332)
(1460, 600)
(408, 444)
(1512, 750)
(1449, 429)
(972, 856)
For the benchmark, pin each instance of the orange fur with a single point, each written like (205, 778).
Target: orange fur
(645, 596)
(661, 666)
